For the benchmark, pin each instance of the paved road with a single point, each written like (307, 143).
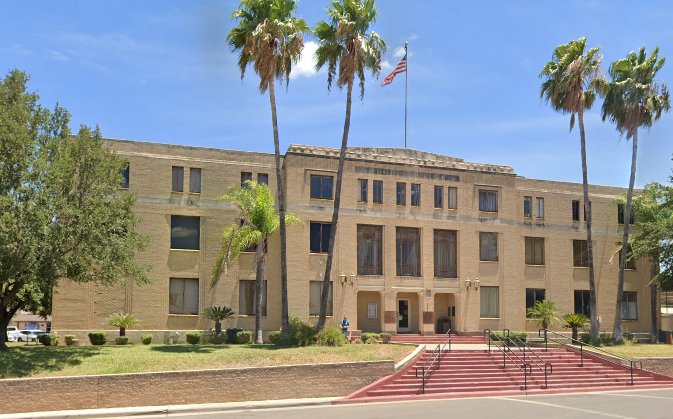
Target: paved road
(645, 404)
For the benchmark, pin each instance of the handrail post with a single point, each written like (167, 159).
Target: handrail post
(581, 354)
(631, 362)
(546, 347)
(525, 377)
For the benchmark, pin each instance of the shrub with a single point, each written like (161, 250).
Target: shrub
(48, 339)
(122, 340)
(146, 339)
(244, 337)
(69, 339)
(515, 336)
(123, 321)
(385, 337)
(302, 333)
(274, 337)
(193, 337)
(217, 314)
(98, 338)
(217, 338)
(370, 338)
(331, 336)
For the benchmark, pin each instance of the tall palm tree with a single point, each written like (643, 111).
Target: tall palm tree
(569, 87)
(270, 37)
(632, 100)
(259, 220)
(345, 43)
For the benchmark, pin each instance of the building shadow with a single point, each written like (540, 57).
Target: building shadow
(20, 362)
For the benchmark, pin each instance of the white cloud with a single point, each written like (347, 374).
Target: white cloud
(399, 52)
(305, 66)
(385, 65)
(58, 56)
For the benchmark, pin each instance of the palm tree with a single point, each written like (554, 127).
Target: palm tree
(575, 322)
(259, 220)
(632, 99)
(217, 314)
(271, 38)
(570, 78)
(544, 312)
(345, 44)
(123, 321)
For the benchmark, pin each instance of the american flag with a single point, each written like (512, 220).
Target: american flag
(401, 68)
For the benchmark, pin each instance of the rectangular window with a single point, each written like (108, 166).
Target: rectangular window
(488, 201)
(377, 187)
(620, 214)
(194, 180)
(630, 264)
(321, 187)
(527, 206)
(319, 241)
(126, 173)
(247, 298)
(629, 305)
(539, 206)
(263, 178)
(415, 195)
(408, 251)
(315, 291)
(446, 254)
(453, 198)
(534, 250)
(183, 296)
(582, 302)
(533, 296)
(489, 302)
(576, 210)
(178, 179)
(185, 232)
(580, 254)
(401, 188)
(245, 176)
(488, 247)
(370, 250)
(439, 197)
(363, 190)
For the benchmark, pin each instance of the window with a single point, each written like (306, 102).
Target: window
(445, 249)
(533, 296)
(580, 254)
(453, 198)
(527, 206)
(401, 193)
(582, 302)
(178, 179)
(408, 251)
(534, 250)
(620, 214)
(183, 296)
(247, 293)
(629, 306)
(319, 241)
(630, 264)
(488, 247)
(488, 201)
(245, 176)
(439, 197)
(377, 185)
(194, 180)
(126, 172)
(314, 292)
(576, 210)
(370, 250)
(489, 302)
(185, 232)
(362, 195)
(263, 178)
(321, 187)
(415, 195)
(539, 206)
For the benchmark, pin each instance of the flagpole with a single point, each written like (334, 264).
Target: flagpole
(406, 83)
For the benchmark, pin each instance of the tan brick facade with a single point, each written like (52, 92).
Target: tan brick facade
(372, 302)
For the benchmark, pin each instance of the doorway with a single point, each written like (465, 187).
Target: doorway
(403, 316)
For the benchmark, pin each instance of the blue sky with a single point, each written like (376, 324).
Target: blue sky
(162, 72)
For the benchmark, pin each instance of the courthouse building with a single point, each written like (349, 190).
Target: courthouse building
(425, 242)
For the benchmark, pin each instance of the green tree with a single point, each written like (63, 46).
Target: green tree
(62, 214)
(259, 220)
(633, 99)
(123, 321)
(269, 37)
(217, 314)
(344, 43)
(544, 312)
(575, 322)
(569, 87)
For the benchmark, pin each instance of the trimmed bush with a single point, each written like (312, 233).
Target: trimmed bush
(385, 337)
(274, 337)
(48, 339)
(244, 337)
(193, 337)
(514, 336)
(331, 336)
(302, 333)
(122, 340)
(146, 339)
(370, 338)
(98, 338)
(217, 338)
(69, 339)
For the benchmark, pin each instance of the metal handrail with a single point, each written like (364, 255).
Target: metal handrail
(437, 356)
(504, 351)
(631, 363)
(531, 354)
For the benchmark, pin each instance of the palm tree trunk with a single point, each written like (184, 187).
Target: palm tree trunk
(259, 282)
(654, 308)
(284, 322)
(593, 301)
(335, 214)
(617, 329)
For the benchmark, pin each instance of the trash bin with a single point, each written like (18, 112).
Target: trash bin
(231, 334)
(443, 325)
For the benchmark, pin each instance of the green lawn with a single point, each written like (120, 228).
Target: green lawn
(640, 350)
(41, 361)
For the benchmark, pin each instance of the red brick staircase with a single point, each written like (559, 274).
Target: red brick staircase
(435, 339)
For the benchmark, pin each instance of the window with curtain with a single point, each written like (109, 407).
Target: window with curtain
(246, 297)
(489, 306)
(178, 179)
(194, 180)
(263, 178)
(183, 296)
(580, 254)
(370, 250)
(539, 204)
(576, 210)
(630, 305)
(245, 176)
(415, 195)
(488, 201)
(453, 197)
(533, 296)
(319, 240)
(439, 197)
(401, 189)
(488, 247)
(126, 173)
(408, 251)
(582, 303)
(377, 187)
(315, 291)
(534, 250)
(527, 206)
(446, 253)
(321, 187)
(363, 190)
(185, 232)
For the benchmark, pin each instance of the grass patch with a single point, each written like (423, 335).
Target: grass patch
(50, 361)
(640, 350)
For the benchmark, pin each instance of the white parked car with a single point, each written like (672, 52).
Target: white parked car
(12, 333)
(29, 335)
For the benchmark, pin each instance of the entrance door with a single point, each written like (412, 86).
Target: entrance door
(403, 316)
